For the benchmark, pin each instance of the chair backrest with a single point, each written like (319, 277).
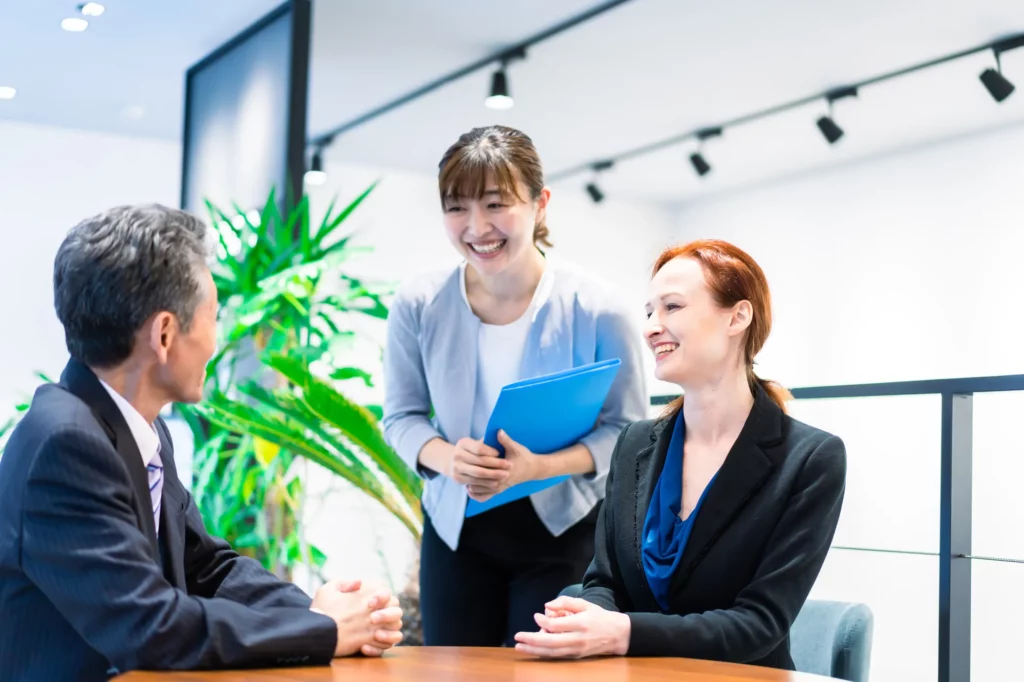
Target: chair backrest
(572, 591)
(833, 639)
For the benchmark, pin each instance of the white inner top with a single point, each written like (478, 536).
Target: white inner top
(500, 353)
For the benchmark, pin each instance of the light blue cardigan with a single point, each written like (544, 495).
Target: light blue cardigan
(430, 360)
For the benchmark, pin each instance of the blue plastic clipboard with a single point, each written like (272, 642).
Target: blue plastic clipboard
(547, 414)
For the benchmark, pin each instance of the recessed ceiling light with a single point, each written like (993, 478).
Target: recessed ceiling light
(91, 9)
(7, 92)
(74, 24)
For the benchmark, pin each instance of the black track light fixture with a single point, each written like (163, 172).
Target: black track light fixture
(500, 97)
(827, 124)
(697, 160)
(596, 195)
(700, 164)
(316, 174)
(998, 85)
(830, 129)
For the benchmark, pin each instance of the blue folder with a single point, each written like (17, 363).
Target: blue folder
(546, 414)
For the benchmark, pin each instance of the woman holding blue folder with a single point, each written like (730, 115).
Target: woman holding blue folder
(455, 339)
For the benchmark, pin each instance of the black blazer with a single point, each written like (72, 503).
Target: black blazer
(86, 588)
(753, 554)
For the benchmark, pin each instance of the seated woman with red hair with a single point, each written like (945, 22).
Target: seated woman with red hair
(719, 515)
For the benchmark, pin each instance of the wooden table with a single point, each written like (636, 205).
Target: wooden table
(423, 664)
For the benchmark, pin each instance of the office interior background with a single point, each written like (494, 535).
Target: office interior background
(893, 254)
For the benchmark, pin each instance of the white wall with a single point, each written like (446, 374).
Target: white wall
(50, 179)
(902, 267)
(402, 222)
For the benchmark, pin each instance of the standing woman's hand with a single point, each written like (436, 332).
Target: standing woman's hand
(479, 468)
(525, 464)
(520, 463)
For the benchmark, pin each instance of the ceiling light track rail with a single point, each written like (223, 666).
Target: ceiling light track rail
(501, 58)
(993, 80)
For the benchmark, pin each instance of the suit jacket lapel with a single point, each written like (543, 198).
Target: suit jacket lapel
(172, 525)
(649, 463)
(744, 471)
(80, 380)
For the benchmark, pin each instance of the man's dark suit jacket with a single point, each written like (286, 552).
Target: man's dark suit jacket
(87, 588)
(754, 551)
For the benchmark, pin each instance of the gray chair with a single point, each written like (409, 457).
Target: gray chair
(834, 639)
(828, 638)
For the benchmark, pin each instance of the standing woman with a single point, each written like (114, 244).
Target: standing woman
(454, 340)
(720, 514)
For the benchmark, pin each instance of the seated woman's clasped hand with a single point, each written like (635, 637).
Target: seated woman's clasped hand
(574, 628)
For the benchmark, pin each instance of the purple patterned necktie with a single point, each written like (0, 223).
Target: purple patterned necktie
(156, 487)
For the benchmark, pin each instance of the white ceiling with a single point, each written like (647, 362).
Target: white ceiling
(641, 72)
(135, 55)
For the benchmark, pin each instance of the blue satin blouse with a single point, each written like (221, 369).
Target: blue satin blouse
(665, 534)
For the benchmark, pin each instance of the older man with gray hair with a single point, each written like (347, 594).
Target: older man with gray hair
(105, 565)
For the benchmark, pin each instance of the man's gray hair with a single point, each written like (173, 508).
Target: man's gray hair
(117, 269)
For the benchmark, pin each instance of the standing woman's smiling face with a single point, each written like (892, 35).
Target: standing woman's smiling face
(493, 228)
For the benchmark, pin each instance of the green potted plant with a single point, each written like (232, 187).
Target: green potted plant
(275, 388)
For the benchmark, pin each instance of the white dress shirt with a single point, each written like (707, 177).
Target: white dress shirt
(146, 439)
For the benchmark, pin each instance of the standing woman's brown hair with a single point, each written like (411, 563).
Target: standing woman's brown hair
(498, 152)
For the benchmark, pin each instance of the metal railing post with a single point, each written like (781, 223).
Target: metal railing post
(955, 538)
